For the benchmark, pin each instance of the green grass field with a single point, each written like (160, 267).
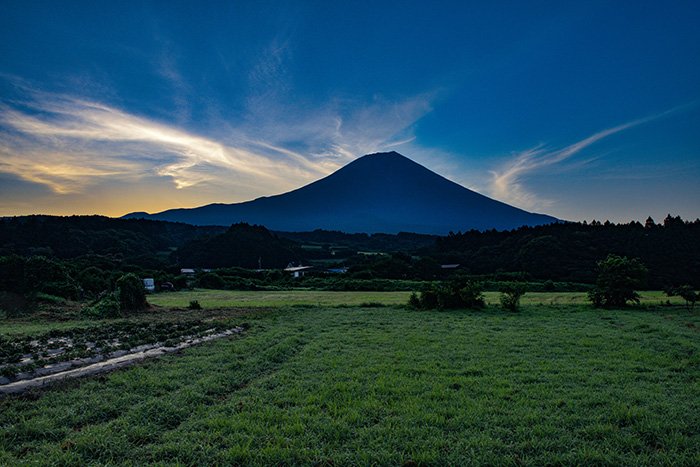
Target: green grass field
(342, 386)
(225, 301)
(236, 298)
(256, 299)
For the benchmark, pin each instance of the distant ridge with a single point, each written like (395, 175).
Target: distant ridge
(382, 192)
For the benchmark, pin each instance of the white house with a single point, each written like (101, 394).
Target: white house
(297, 271)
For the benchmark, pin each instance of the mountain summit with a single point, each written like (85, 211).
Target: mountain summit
(384, 192)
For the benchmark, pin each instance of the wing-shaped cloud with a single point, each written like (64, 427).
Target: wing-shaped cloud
(507, 181)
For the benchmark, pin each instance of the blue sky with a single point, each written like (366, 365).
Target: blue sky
(580, 110)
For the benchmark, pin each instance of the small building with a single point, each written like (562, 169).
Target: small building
(149, 284)
(449, 266)
(187, 271)
(297, 271)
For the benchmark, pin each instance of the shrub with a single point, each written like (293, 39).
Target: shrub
(456, 294)
(211, 280)
(428, 299)
(414, 301)
(47, 275)
(107, 307)
(131, 293)
(448, 297)
(181, 282)
(597, 298)
(687, 293)
(472, 295)
(510, 295)
(93, 280)
(618, 277)
(690, 296)
(194, 305)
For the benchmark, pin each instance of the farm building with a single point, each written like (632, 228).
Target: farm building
(297, 271)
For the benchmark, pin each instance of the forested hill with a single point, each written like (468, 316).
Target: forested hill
(569, 252)
(561, 252)
(69, 237)
(242, 245)
(72, 236)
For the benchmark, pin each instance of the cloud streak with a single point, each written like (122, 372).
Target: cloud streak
(507, 181)
(69, 144)
(112, 137)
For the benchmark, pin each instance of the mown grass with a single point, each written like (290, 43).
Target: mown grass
(243, 298)
(345, 386)
(248, 299)
(217, 300)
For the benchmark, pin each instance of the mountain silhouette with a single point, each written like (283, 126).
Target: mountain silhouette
(383, 192)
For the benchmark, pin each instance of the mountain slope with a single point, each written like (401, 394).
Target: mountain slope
(383, 192)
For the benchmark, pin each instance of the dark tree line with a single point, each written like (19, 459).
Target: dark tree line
(563, 252)
(570, 251)
(74, 236)
(242, 245)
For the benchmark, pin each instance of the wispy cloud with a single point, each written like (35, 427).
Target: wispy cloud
(180, 90)
(81, 136)
(69, 144)
(507, 181)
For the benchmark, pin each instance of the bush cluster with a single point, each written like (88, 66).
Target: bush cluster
(451, 295)
(131, 293)
(511, 292)
(687, 293)
(105, 307)
(618, 277)
(28, 276)
(128, 296)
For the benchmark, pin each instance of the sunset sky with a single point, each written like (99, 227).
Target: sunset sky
(581, 110)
